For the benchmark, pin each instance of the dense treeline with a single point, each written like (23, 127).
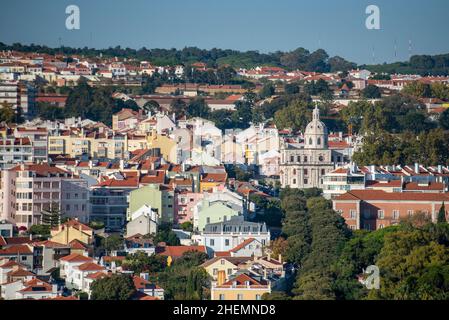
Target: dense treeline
(412, 257)
(418, 64)
(318, 61)
(94, 103)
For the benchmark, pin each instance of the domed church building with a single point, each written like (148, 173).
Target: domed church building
(305, 166)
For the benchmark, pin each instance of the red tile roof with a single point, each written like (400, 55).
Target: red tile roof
(77, 245)
(242, 245)
(214, 177)
(20, 273)
(18, 240)
(16, 250)
(373, 195)
(75, 257)
(241, 280)
(141, 283)
(338, 145)
(178, 251)
(97, 275)
(90, 266)
(113, 258)
(50, 244)
(37, 285)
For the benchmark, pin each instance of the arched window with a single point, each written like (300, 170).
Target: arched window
(318, 141)
(310, 141)
(294, 171)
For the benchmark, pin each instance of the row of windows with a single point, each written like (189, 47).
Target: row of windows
(239, 297)
(395, 214)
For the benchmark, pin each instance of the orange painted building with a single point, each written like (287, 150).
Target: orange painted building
(377, 209)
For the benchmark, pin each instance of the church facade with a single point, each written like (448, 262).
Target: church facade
(305, 166)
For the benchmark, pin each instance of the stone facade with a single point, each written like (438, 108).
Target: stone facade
(306, 166)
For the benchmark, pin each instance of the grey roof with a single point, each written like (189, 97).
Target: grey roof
(235, 224)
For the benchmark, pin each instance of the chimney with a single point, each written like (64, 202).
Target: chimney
(280, 258)
(417, 168)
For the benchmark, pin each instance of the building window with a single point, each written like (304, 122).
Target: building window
(381, 226)
(294, 181)
(212, 242)
(306, 181)
(215, 271)
(323, 172)
(240, 296)
(306, 172)
(226, 242)
(298, 158)
(395, 214)
(318, 141)
(292, 159)
(294, 172)
(305, 159)
(222, 297)
(410, 213)
(353, 214)
(310, 141)
(380, 214)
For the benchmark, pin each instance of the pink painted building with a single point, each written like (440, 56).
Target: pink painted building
(185, 204)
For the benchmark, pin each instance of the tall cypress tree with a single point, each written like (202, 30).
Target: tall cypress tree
(442, 214)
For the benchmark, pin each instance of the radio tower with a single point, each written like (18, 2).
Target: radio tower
(395, 49)
(409, 49)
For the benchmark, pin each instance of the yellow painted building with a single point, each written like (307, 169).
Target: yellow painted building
(167, 146)
(242, 287)
(228, 265)
(209, 181)
(72, 230)
(112, 147)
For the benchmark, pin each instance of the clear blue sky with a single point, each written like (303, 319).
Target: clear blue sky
(338, 26)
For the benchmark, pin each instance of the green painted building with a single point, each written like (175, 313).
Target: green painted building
(159, 197)
(212, 212)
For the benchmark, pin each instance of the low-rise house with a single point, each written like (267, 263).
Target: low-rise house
(46, 256)
(33, 289)
(224, 236)
(240, 287)
(175, 252)
(144, 286)
(248, 248)
(229, 265)
(72, 230)
(139, 243)
(20, 253)
(68, 263)
(8, 269)
(75, 279)
(144, 221)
